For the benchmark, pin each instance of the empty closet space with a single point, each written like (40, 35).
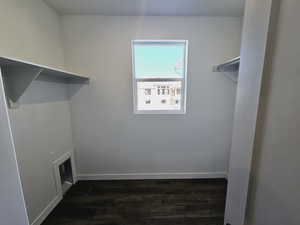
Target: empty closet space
(121, 112)
(142, 202)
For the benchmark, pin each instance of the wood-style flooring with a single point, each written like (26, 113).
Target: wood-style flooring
(142, 202)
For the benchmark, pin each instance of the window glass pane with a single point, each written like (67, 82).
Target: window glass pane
(154, 60)
(159, 95)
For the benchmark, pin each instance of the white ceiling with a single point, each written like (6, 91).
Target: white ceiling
(150, 7)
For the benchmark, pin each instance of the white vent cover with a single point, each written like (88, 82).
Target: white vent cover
(64, 171)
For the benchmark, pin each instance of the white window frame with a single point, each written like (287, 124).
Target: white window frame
(183, 80)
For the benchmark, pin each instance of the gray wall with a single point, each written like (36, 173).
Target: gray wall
(274, 194)
(31, 30)
(42, 133)
(110, 141)
(12, 205)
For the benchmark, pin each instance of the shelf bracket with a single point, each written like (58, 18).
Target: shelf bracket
(17, 79)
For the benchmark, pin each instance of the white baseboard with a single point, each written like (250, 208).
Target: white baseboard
(141, 176)
(43, 215)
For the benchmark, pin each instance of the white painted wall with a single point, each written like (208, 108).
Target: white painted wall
(111, 142)
(42, 134)
(274, 193)
(30, 30)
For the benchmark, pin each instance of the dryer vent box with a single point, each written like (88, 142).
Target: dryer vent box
(66, 175)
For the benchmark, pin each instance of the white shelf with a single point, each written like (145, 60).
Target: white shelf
(20, 74)
(5, 61)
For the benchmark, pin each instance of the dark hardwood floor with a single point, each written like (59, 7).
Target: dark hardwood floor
(143, 202)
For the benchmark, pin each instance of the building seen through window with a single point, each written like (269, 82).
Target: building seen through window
(159, 76)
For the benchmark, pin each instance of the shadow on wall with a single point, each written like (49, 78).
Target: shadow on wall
(46, 89)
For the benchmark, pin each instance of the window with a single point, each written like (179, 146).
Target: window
(159, 76)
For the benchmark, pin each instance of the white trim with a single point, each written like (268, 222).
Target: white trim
(47, 210)
(141, 176)
(159, 41)
(257, 28)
